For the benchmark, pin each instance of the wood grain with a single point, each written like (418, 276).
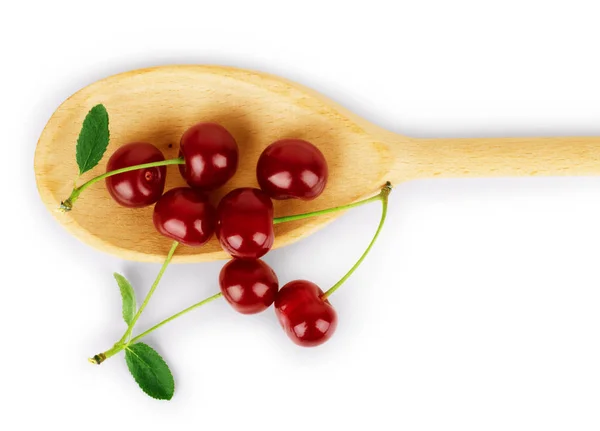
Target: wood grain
(158, 104)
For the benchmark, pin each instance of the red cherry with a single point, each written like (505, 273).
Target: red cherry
(210, 154)
(139, 188)
(185, 215)
(245, 223)
(249, 286)
(306, 318)
(292, 168)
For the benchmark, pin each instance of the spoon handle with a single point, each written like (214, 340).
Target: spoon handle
(495, 157)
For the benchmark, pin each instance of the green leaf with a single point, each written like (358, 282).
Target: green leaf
(128, 295)
(150, 371)
(93, 139)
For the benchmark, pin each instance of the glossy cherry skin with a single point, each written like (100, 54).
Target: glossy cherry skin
(211, 156)
(306, 318)
(245, 223)
(292, 168)
(185, 215)
(139, 188)
(249, 286)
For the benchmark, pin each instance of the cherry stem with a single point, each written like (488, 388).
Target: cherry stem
(121, 344)
(383, 197)
(175, 316)
(151, 291)
(67, 204)
(295, 217)
(124, 341)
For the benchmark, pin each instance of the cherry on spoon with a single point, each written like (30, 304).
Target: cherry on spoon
(245, 223)
(292, 168)
(185, 215)
(136, 189)
(210, 154)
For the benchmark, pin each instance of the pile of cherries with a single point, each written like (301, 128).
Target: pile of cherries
(242, 221)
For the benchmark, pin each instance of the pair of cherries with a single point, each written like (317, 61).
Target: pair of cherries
(243, 219)
(211, 158)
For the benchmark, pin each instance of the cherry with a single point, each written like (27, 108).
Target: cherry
(185, 215)
(292, 168)
(249, 286)
(306, 318)
(210, 154)
(139, 188)
(245, 223)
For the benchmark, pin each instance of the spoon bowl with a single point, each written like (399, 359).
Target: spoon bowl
(158, 104)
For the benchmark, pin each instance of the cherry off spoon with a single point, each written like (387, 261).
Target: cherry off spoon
(158, 104)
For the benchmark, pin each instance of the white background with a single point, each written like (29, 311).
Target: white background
(479, 309)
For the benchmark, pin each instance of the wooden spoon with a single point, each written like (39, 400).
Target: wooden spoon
(158, 104)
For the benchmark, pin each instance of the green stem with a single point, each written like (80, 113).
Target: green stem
(295, 217)
(101, 357)
(151, 292)
(68, 203)
(383, 197)
(175, 316)
(121, 344)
